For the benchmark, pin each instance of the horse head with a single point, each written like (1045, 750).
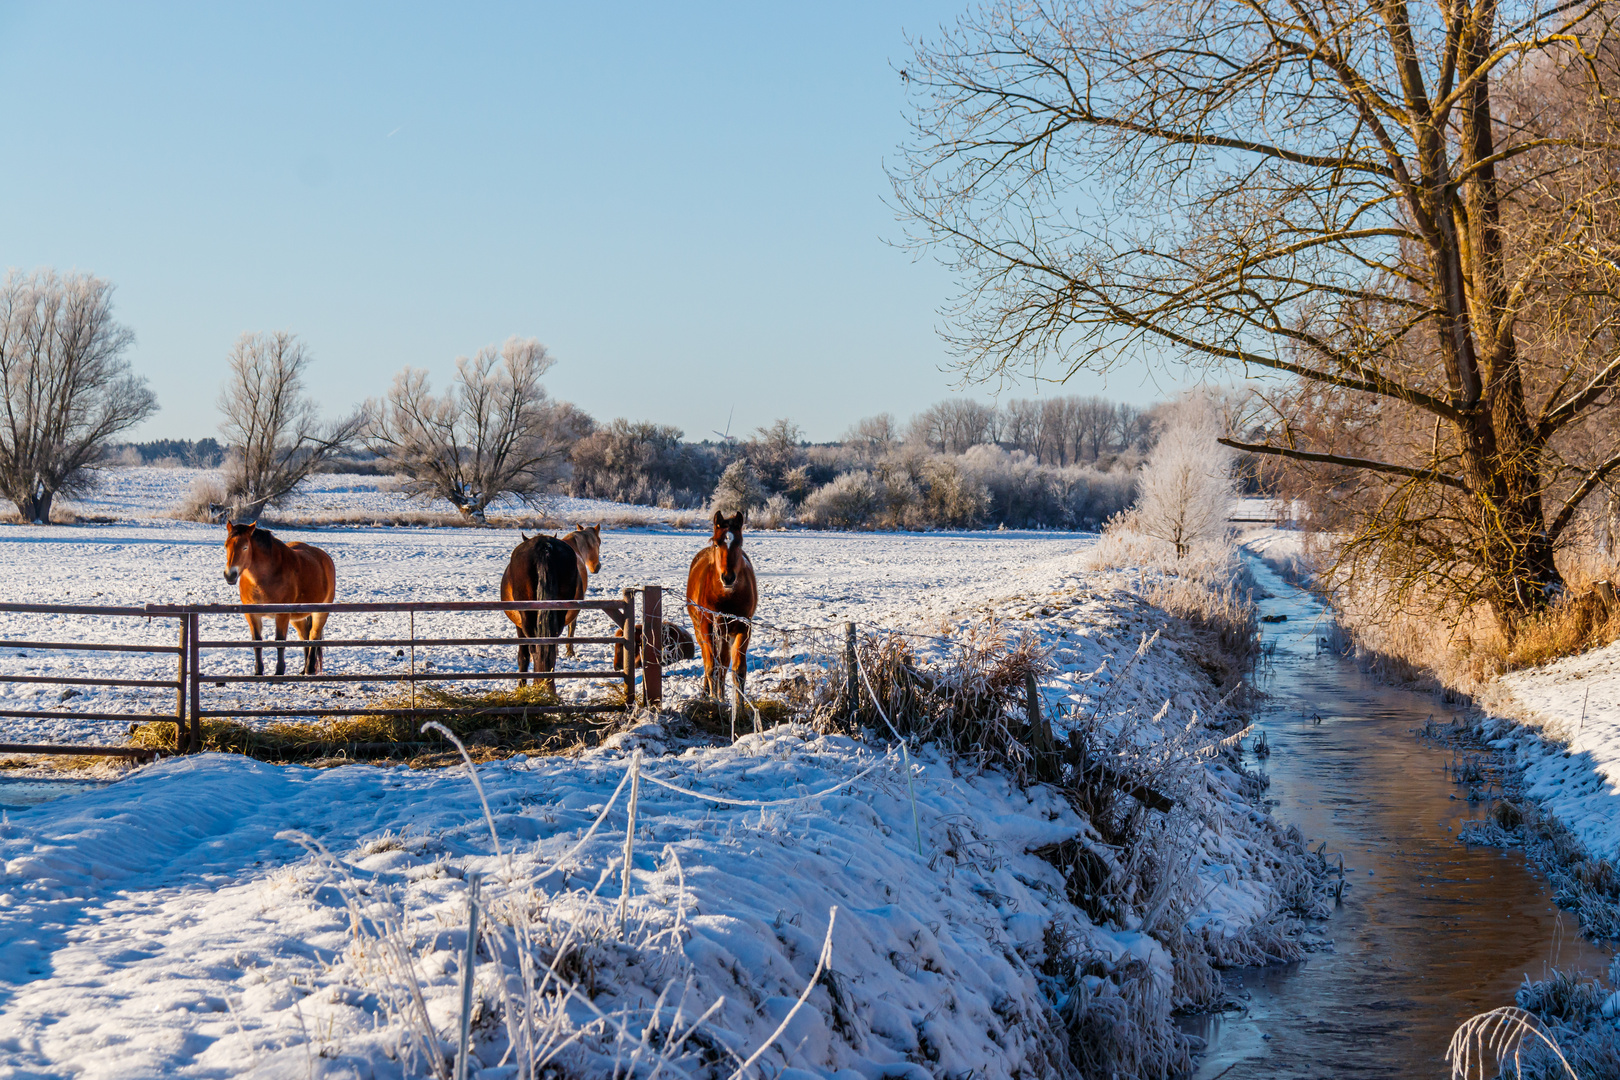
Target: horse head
(238, 549)
(588, 542)
(728, 539)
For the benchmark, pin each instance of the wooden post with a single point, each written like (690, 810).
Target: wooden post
(181, 687)
(1040, 735)
(632, 644)
(652, 653)
(194, 652)
(852, 692)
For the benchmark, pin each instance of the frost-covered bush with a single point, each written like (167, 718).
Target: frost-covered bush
(1022, 493)
(206, 501)
(988, 485)
(739, 490)
(852, 501)
(777, 512)
(953, 497)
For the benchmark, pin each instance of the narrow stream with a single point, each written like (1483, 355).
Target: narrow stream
(1430, 932)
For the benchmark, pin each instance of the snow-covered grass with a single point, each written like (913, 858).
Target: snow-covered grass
(173, 924)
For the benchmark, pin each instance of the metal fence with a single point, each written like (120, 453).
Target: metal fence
(642, 632)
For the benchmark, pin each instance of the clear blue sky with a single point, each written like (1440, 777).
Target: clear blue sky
(684, 202)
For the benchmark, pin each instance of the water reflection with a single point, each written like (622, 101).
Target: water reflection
(1430, 932)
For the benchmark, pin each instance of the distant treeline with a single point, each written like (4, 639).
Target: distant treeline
(1066, 462)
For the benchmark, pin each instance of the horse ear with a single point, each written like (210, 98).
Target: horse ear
(719, 518)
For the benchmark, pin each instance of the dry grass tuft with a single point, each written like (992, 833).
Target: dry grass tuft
(713, 718)
(337, 739)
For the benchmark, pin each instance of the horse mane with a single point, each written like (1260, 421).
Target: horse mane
(262, 536)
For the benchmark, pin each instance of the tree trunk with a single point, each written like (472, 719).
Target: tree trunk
(37, 508)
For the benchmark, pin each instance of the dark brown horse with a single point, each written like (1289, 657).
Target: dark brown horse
(269, 571)
(722, 592)
(541, 568)
(677, 640)
(586, 540)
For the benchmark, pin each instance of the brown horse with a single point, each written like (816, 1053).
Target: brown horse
(541, 568)
(721, 593)
(269, 571)
(586, 540)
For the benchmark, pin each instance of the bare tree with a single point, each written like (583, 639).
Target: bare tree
(273, 429)
(68, 388)
(872, 437)
(1186, 488)
(1331, 192)
(953, 427)
(495, 433)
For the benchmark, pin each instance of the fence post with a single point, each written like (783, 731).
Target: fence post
(632, 648)
(652, 654)
(852, 693)
(181, 686)
(194, 653)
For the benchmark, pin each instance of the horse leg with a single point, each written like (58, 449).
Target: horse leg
(256, 626)
(546, 660)
(526, 629)
(281, 650)
(317, 630)
(569, 621)
(739, 658)
(302, 628)
(705, 639)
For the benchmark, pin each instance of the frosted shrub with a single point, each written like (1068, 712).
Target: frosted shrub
(777, 512)
(953, 497)
(204, 502)
(1022, 493)
(1187, 487)
(851, 501)
(739, 490)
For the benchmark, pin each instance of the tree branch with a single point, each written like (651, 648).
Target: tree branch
(1427, 475)
(1593, 479)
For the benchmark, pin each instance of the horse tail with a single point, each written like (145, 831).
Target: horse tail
(556, 570)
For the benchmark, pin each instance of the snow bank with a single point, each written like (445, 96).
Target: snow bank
(167, 925)
(1569, 749)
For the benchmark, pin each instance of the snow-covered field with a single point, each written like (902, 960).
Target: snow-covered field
(166, 925)
(153, 493)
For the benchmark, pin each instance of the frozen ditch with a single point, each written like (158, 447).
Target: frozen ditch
(1431, 932)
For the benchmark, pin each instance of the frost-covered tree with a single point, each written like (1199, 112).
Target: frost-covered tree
(66, 385)
(273, 428)
(496, 432)
(1187, 487)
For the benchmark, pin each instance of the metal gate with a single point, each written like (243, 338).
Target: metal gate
(642, 634)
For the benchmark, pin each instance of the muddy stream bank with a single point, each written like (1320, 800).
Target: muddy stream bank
(1430, 932)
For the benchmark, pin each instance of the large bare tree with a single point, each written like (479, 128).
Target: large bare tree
(1331, 192)
(68, 388)
(272, 427)
(496, 432)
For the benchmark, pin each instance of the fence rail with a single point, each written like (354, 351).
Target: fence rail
(642, 634)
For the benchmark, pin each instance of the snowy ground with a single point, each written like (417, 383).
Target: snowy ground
(1570, 748)
(165, 925)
